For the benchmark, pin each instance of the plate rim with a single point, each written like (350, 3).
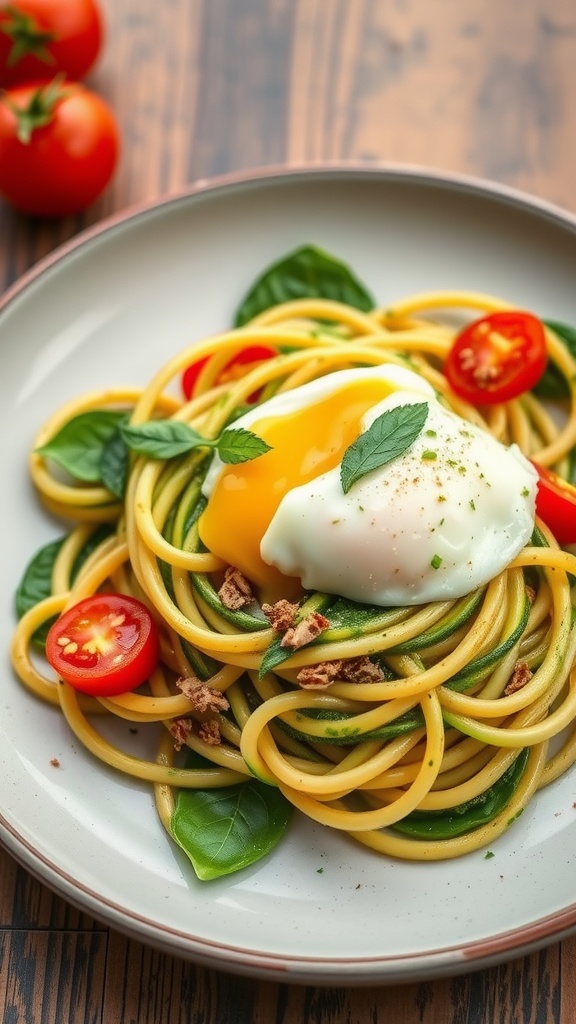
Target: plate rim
(214, 954)
(277, 172)
(362, 970)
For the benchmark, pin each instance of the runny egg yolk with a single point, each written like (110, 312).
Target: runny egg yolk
(305, 443)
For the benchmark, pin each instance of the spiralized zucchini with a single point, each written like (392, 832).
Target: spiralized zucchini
(440, 755)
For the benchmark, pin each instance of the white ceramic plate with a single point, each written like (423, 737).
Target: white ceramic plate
(107, 310)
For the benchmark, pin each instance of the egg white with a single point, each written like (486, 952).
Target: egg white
(433, 524)
(418, 529)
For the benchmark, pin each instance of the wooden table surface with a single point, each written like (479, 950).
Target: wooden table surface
(206, 87)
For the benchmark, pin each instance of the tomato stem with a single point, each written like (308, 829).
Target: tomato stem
(27, 37)
(40, 109)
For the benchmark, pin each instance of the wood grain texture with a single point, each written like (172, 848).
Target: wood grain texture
(204, 87)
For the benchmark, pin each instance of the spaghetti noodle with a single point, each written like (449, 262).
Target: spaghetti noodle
(432, 757)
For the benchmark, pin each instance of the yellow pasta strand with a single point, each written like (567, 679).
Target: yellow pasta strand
(464, 687)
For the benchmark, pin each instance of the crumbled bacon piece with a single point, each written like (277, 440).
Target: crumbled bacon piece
(180, 729)
(319, 676)
(530, 593)
(280, 615)
(235, 591)
(303, 632)
(361, 670)
(54, 762)
(202, 697)
(210, 733)
(520, 676)
(353, 670)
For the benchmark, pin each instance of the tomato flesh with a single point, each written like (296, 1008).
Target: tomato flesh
(498, 357)
(105, 645)
(235, 368)
(556, 505)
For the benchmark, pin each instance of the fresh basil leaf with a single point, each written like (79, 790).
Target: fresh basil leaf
(114, 464)
(389, 436)
(552, 383)
(79, 445)
(307, 272)
(36, 584)
(162, 439)
(240, 445)
(225, 830)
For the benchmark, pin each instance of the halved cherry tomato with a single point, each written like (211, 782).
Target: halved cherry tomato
(556, 505)
(237, 366)
(104, 645)
(497, 358)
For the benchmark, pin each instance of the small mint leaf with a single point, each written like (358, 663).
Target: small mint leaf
(389, 436)
(240, 445)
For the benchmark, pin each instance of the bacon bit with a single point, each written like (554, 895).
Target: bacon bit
(55, 762)
(281, 615)
(530, 593)
(319, 676)
(210, 733)
(520, 676)
(303, 632)
(353, 670)
(202, 697)
(361, 670)
(180, 729)
(235, 591)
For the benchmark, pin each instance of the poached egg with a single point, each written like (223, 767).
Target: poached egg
(434, 523)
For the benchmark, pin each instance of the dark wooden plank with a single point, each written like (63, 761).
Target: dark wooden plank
(27, 904)
(52, 977)
(525, 991)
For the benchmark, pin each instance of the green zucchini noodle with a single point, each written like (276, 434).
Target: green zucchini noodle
(442, 729)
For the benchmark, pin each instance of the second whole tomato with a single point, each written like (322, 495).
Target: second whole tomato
(59, 146)
(40, 38)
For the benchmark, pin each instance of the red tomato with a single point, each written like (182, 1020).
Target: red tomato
(244, 360)
(39, 38)
(104, 645)
(497, 358)
(556, 505)
(59, 145)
